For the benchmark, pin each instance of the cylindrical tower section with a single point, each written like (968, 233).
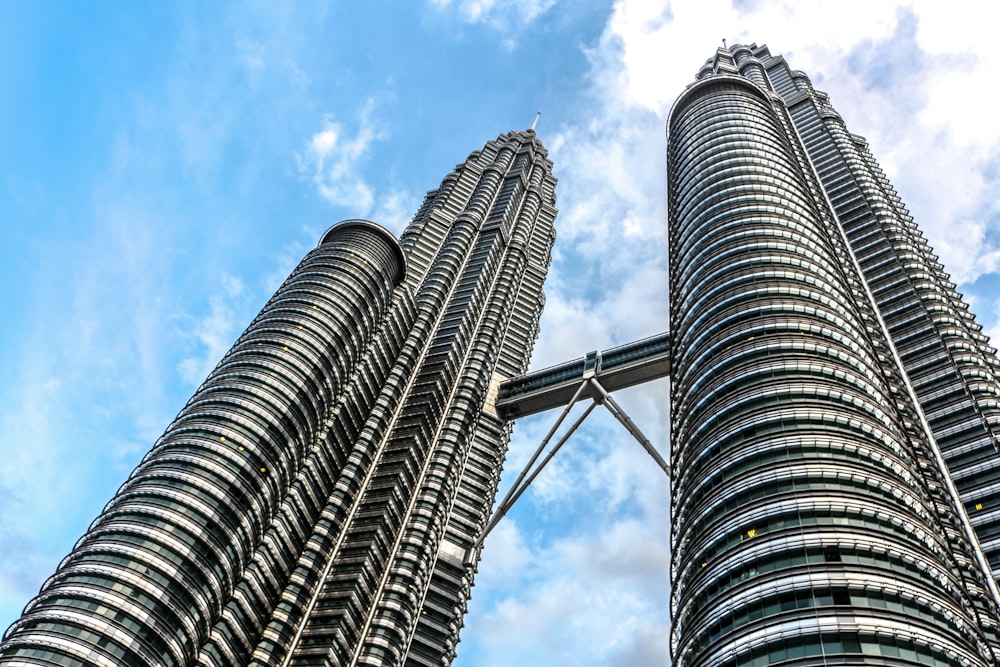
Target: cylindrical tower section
(750, 66)
(149, 579)
(801, 528)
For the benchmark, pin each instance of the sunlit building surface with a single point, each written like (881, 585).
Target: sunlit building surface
(836, 495)
(313, 502)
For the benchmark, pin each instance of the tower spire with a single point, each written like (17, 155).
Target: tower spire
(535, 122)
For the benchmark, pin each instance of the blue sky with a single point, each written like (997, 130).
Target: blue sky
(163, 166)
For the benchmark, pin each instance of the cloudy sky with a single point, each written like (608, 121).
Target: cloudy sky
(163, 166)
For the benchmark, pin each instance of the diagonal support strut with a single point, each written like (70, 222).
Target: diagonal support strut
(530, 471)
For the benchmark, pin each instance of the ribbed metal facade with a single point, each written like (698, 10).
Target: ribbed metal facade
(312, 503)
(823, 371)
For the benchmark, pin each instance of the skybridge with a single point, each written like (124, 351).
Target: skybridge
(593, 376)
(616, 368)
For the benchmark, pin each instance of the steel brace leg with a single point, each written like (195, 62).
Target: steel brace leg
(528, 475)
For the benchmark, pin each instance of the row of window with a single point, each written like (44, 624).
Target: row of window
(899, 649)
(809, 514)
(781, 609)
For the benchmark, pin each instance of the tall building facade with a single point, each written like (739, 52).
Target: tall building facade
(313, 502)
(835, 408)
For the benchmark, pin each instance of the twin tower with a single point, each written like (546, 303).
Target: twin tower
(834, 423)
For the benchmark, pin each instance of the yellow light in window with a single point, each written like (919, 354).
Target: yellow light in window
(222, 438)
(752, 533)
(241, 448)
(263, 469)
(285, 347)
(704, 564)
(979, 506)
(300, 326)
(315, 307)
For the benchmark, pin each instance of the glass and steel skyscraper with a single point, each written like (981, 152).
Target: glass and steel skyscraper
(313, 502)
(835, 408)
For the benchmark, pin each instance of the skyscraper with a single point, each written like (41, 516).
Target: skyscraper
(834, 405)
(314, 500)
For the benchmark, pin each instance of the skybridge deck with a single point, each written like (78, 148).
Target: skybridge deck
(615, 368)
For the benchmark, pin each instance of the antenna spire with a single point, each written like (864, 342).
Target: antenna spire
(724, 44)
(535, 122)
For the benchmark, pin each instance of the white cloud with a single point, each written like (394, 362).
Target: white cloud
(332, 161)
(261, 58)
(597, 596)
(509, 557)
(323, 143)
(395, 209)
(577, 574)
(251, 54)
(502, 15)
(215, 332)
(992, 315)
